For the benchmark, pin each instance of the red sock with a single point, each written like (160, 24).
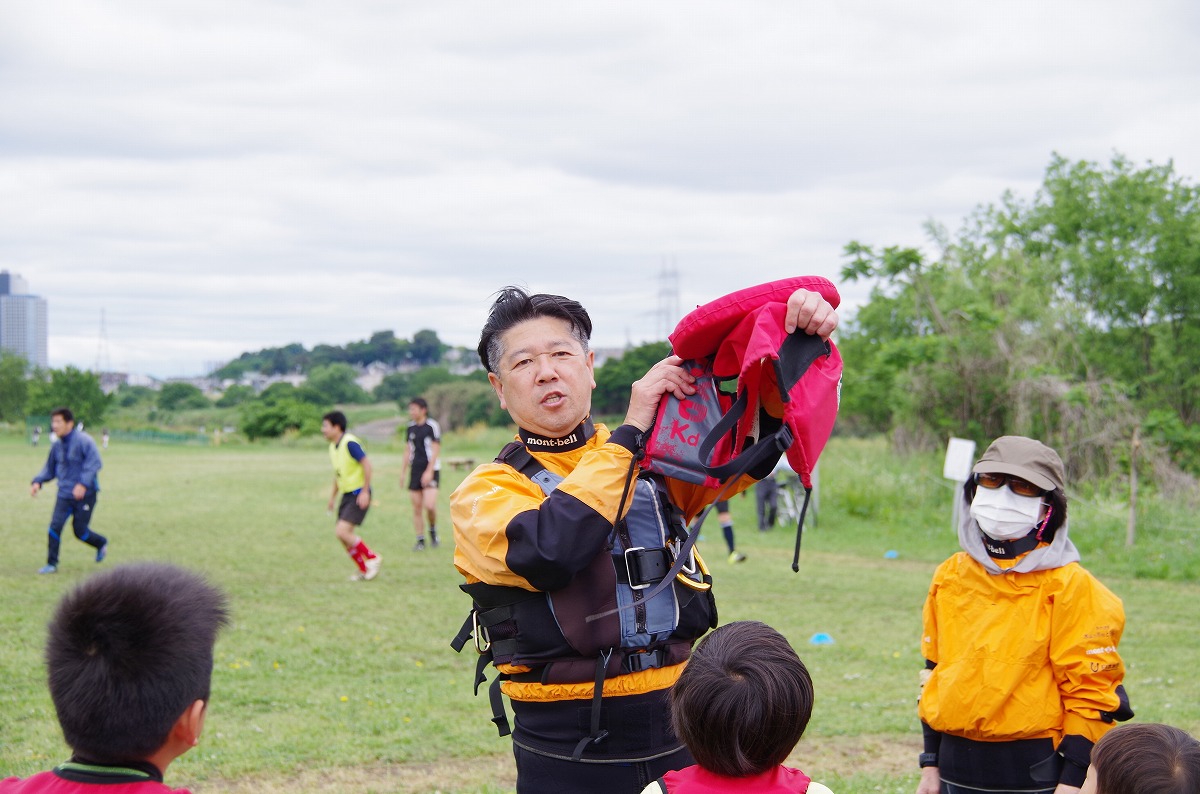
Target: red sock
(356, 555)
(362, 549)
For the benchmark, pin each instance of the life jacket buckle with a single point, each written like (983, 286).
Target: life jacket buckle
(645, 567)
(479, 634)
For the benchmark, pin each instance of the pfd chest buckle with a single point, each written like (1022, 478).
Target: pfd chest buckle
(646, 567)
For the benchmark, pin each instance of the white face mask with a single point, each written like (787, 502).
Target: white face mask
(1002, 515)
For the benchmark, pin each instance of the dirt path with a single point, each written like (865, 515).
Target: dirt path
(379, 429)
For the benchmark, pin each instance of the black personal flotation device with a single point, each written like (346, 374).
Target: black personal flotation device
(602, 624)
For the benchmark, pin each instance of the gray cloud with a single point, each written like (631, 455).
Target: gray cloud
(221, 177)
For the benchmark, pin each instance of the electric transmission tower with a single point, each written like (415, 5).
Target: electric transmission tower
(103, 359)
(668, 299)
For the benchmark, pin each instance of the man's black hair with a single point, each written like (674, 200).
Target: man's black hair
(514, 305)
(66, 413)
(743, 701)
(337, 419)
(128, 651)
(420, 402)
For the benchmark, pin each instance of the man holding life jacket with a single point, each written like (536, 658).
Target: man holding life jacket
(557, 581)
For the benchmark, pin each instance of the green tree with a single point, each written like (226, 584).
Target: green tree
(178, 396)
(393, 387)
(1067, 317)
(403, 386)
(271, 420)
(615, 377)
(426, 349)
(127, 396)
(383, 346)
(72, 388)
(334, 383)
(14, 390)
(464, 402)
(1126, 241)
(235, 395)
(278, 392)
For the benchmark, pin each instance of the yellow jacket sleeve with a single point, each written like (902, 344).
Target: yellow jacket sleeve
(508, 532)
(1083, 650)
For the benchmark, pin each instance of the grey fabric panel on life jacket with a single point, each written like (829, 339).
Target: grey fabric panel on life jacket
(641, 622)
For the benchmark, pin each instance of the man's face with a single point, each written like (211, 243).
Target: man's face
(330, 431)
(416, 412)
(60, 427)
(544, 379)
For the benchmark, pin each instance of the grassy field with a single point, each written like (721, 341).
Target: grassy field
(324, 685)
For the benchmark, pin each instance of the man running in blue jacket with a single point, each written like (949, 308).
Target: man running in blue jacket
(74, 461)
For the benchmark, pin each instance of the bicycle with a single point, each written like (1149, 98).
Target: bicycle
(789, 500)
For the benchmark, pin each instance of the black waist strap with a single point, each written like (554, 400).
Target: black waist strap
(597, 735)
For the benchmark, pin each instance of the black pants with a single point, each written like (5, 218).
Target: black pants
(639, 727)
(971, 767)
(539, 774)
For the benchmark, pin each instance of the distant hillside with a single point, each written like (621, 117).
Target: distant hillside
(424, 349)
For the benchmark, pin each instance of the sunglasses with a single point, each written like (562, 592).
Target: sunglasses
(1015, 484)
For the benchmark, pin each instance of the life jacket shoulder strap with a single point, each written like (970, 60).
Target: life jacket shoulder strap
(518, 457)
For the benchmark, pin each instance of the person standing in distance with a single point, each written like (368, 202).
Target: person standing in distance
(75, 462)
(423, 467)
(351, 479)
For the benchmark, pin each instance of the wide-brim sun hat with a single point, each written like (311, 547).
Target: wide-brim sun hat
(1025, 458)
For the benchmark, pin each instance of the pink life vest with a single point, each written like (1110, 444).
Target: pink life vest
(795, 378)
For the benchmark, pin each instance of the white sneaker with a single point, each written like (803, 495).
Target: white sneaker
(373, 567)
(358, 577)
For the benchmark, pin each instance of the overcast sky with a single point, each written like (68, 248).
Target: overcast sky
(217, 177)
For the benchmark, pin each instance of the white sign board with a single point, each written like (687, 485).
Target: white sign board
(960, 454)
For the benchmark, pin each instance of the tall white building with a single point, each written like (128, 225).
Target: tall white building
(23, 327)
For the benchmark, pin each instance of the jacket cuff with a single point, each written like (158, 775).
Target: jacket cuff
(1077, 752)
(933, 739)
(627, 436)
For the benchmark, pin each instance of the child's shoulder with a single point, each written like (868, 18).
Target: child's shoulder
(52, 783)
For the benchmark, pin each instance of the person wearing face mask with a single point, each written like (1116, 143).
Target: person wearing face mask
(1023, 675)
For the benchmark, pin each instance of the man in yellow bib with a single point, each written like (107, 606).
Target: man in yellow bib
(351, 479)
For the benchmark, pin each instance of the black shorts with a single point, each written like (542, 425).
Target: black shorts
(414, 480)
(349, 510)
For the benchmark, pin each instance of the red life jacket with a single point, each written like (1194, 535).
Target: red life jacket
(794, 378)
(697, 780)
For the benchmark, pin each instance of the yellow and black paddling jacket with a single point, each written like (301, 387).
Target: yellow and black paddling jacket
(1015, 657)
(542, 551)
(346, 469)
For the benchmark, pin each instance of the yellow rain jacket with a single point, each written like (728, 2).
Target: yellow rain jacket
(1020, 655)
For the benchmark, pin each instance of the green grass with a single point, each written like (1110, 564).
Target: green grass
(322, 684)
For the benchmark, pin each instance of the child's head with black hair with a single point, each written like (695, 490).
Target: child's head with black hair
(130, 659)
(743, 701)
